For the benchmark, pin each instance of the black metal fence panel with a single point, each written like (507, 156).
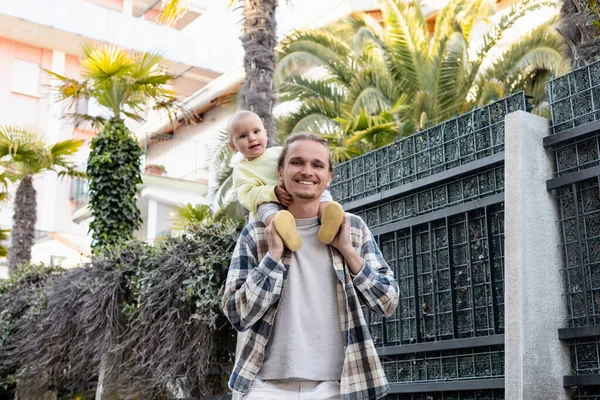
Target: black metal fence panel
(577, 155)
(459, 364)
(575, 104)
(430, 199)
(586, 393)
(462, 395)
(451, 280)
(459, 141)
(580, 224)
(575, 98)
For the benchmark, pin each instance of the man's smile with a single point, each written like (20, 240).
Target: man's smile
(308, 183)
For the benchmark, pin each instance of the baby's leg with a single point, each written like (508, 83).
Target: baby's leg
(284, 222)
(266, 212)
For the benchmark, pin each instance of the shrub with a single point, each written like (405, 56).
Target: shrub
(152, 311)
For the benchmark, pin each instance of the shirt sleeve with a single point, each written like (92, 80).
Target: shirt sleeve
(375, 281)
(326, 197)
(252, 285)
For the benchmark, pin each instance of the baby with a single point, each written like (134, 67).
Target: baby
(257, 186)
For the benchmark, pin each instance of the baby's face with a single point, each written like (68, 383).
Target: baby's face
(248, 136)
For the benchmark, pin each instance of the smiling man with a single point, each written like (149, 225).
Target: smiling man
(307, 336)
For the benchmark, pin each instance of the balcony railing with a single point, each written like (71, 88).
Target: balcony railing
(163, 155)
(174, 157)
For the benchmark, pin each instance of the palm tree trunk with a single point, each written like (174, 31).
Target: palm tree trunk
(24, 219)
(259, 38)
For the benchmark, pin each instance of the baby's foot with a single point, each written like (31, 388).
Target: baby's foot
(331, 219)
(286, 228)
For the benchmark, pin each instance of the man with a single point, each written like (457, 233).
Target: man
(307, 336)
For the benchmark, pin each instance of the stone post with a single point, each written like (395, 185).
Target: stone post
(535, 359)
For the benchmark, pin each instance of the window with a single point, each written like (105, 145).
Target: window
(26, 78)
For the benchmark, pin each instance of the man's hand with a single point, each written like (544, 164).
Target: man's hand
(274, 242)
(282, 195)
(343, 242)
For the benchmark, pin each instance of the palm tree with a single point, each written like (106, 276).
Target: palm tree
(375, 83)
(259, 38)
(23, 154)
(580, 26)
(126, 85)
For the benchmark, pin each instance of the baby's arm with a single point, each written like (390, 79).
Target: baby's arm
(251, 194)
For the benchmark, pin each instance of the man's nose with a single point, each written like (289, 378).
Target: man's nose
(306, 170)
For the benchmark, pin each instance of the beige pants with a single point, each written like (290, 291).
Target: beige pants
(293, 389)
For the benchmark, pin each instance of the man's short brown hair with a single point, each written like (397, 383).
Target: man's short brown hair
(303, 136)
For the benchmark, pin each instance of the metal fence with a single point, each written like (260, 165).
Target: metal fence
(434, 202)
(575, 143)
(575, 98)
(464, 395)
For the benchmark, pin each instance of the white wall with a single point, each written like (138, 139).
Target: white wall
(192, 146)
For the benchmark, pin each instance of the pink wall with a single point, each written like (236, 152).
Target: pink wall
(26, 109)
(151, 15)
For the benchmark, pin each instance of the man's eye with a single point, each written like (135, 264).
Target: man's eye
(318, 166)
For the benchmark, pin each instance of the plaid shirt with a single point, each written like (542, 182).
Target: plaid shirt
(254, 285)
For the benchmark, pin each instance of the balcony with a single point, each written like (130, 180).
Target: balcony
(66, 24)
(174, 171)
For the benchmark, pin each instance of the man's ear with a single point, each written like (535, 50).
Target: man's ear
(232, 146)
(330, 179)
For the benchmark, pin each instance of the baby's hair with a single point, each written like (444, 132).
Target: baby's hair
(238, 115)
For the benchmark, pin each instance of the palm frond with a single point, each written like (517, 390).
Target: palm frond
(423, 108)
(310, 110)
(371, 89)
(375, 136)
(477, 11)
(223, 172)
(496, 33)
(449, 92)
(95, 122)
(532, 57)
(445, 25)
(490, 90)
(24, 153)
(403, 53)
(123, 82)
(315, 48)
(65, 148)
(3, 237)
(192, 214)
(300, 88)
(104, 62)
(171, 11)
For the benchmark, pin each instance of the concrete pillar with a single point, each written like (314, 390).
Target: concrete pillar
(152, 220)
(534, 308)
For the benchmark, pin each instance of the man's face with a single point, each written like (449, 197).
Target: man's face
(305, 171)
(248, 136)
